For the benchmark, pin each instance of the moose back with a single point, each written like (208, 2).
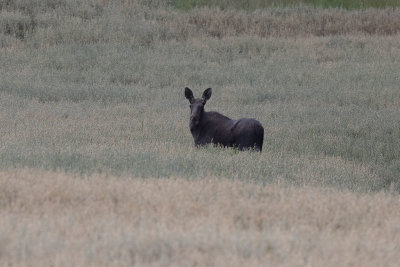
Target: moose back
(213, 127)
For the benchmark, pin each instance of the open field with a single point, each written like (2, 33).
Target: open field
(53, 219)
(92, 103)
(330, 107)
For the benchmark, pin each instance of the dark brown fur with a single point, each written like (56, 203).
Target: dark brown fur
(212, 127)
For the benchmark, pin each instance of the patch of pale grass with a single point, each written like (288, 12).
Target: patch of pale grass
(49, 218)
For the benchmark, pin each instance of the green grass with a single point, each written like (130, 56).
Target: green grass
(103, 93)
(261, 4)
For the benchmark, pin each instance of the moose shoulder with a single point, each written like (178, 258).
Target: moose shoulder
(213, 127)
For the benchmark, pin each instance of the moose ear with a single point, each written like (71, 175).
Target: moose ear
(206, 94)
(189, 94)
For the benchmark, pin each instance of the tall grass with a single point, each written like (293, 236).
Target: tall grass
(97, 86)
(86, 22)
(98, 166)
(57, 219)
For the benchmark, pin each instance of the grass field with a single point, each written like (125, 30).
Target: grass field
(53, 219)
(92, 96)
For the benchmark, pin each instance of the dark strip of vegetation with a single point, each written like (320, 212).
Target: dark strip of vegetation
(262, 4)
(49, 23)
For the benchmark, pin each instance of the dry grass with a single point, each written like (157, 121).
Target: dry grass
(52, 22)
(89, 87)
(54, 219)
(296, 21)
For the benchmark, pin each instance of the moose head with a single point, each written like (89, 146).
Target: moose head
(196, 106)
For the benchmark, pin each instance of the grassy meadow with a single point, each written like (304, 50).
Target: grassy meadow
(92, 97)
(54, 219)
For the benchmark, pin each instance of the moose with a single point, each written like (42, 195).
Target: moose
(213, 127)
